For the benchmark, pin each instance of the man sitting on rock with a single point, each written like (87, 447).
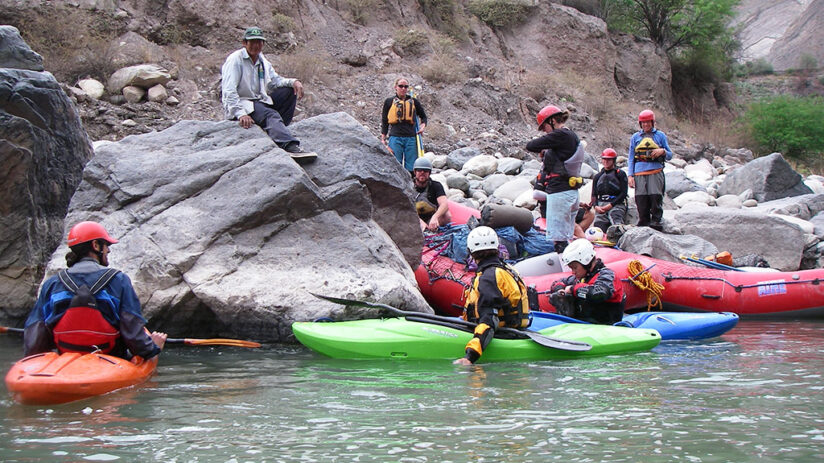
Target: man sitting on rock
(253, 93)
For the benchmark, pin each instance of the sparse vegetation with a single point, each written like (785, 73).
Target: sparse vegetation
(410, 42)
(758, 67)
(501, 13)
(442, 68)
(307, 66)
(446, 17)
(282, 24)
(360, 10)
(73, 44)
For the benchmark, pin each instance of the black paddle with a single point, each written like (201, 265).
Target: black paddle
(545, 341)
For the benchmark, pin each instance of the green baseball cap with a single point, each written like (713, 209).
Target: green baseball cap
(254, 33)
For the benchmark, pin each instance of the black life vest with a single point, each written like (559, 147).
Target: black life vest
(83, 328)
(401, 111)
(608, 186)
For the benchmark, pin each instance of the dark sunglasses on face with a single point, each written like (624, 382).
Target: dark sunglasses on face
(403, 86)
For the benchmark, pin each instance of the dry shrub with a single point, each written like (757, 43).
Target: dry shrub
(361, 10)
(435, 130)
(410, 42)
(443, 68)
(534, 85)
(307, 65)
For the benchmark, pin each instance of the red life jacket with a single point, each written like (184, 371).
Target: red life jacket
(617, 292)
(82, 328)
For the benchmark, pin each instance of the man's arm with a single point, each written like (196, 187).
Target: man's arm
(230, 77)
(443, 208)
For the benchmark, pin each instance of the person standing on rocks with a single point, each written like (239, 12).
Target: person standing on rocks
(430, 197)
(253, 93)
(89, 307)
(560, 150)
(609, 192)
(398, 124)
(648, 151)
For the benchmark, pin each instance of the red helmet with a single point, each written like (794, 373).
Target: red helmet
(547, 112)
(88, 231)
(609, 153)
(646, 115)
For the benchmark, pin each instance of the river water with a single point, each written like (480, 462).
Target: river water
(752, 394)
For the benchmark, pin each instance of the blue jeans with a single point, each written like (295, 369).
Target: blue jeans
(561, 209)
(406, 151)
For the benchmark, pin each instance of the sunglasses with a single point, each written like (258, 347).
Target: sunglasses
(403, 86)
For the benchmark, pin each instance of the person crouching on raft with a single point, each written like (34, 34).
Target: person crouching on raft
(497, 296)
(591, 293)
(89, 307)
(430, 197)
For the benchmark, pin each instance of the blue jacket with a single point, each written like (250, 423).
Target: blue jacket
(636, 166)
(117, 301)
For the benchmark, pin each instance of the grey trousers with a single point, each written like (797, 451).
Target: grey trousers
(273, 119)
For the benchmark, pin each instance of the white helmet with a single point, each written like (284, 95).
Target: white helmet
(481, 239)
(594, 234)
(580, 251)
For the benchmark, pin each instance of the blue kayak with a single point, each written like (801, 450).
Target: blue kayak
(671, 325)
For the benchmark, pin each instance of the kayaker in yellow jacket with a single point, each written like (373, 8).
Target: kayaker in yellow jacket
(497, 296)
(88, 307)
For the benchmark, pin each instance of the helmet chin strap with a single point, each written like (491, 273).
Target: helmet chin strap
(98, 252)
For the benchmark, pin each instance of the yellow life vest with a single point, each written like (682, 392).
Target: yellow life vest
(644, 148)
(512, 288)
(402, 111)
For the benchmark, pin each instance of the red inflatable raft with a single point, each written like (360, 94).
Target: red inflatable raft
(685, 287)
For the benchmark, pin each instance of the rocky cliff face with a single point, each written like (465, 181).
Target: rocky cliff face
(782, 31)
(43, 149)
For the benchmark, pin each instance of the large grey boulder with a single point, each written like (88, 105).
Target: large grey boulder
(15, 53)
(224, 234)
(780, 242)
(678, 183)
(43, 149)
(769, 177)
(804, 207)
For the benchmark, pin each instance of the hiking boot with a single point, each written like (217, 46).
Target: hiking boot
(293, 147)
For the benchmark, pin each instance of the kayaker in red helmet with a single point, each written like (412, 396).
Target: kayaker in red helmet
(89, 307)
(497, 296)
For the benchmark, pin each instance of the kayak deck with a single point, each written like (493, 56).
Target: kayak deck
(51, 378)
(404, 339)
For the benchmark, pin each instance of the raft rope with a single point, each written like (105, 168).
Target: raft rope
(641, 278)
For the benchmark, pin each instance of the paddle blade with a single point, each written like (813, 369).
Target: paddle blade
(556, 343)
(214, 342)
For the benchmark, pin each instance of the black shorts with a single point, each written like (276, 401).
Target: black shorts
(580, 215)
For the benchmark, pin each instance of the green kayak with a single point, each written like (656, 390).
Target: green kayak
(401, 338)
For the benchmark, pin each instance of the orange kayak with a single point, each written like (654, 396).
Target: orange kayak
(52, 378)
